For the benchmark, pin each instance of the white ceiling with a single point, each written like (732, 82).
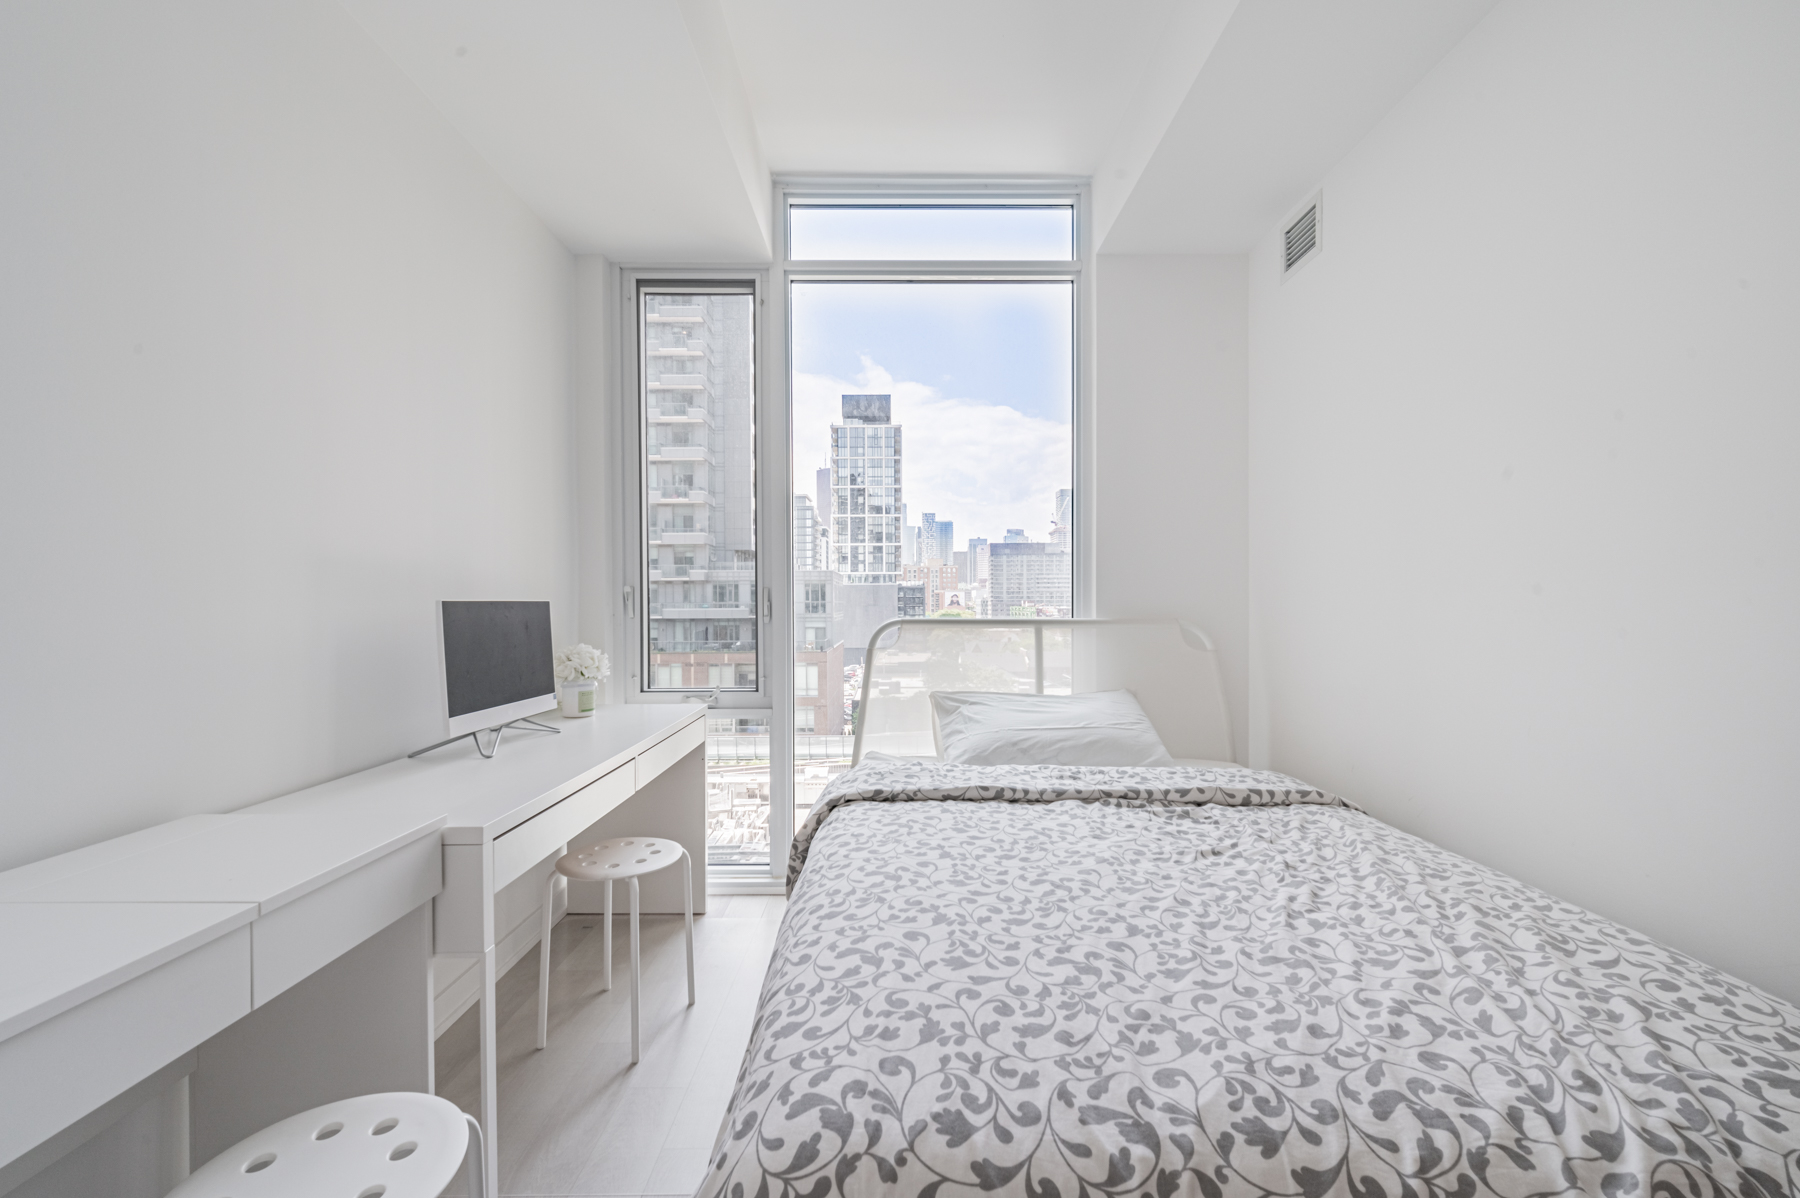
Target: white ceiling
(600, 114)
(942, 86)
(1290, 87)
(646, 130)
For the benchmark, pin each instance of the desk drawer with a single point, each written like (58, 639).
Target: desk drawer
(665, 753)
(54, 1073)
(550, 829)
(298, 938)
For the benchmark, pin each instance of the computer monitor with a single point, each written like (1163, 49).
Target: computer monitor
(497, 663)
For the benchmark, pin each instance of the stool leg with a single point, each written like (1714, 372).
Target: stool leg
(477, 1160)
(634, 971)
(544, 963)
(687, 900)
(606, 939)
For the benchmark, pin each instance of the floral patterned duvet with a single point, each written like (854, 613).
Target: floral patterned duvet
(1060, 983)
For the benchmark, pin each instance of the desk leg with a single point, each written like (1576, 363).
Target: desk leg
(430, 1017)
(490, 1074)
(176, 1117)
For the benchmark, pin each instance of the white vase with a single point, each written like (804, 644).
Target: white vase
(579, 697)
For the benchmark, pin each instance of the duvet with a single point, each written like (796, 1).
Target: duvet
(1061, 983)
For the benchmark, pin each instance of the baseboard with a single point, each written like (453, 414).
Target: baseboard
(744, 885)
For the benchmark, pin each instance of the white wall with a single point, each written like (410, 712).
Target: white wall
(1171, 530)
(1524, 495)
(281, 363)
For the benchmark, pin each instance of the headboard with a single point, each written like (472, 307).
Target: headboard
(1168, 664)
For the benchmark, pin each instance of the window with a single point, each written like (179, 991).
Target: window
(932, 232)
(740, 676)
(697, 402)
(972, 372)
(932, 420)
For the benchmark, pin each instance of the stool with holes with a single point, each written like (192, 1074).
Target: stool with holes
(401, 1145)
(610, 861)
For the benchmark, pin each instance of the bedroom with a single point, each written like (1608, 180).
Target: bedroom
(1489, 508)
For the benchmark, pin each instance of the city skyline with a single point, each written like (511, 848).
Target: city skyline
(950, 453)
(863, 562)
(980, 378)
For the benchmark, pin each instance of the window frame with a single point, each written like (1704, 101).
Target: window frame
(796, 190)
(635, 283)
(793, 190)
(774, 697)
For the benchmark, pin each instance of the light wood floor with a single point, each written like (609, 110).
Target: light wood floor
(579, 1118)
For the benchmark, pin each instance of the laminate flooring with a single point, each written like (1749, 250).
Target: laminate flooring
(578, 1118)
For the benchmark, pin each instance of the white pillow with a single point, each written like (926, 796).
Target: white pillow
(1098, 728)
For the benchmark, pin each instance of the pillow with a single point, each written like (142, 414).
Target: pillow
(1099, 728)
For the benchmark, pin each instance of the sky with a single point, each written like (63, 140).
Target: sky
(981, 375)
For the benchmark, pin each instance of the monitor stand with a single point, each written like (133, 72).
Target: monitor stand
(476, 737)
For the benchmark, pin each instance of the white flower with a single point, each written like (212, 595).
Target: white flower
(581, 663)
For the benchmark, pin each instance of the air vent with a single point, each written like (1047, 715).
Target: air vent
(1300, 242)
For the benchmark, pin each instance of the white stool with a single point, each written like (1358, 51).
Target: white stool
(605, 862)
(401, 1145)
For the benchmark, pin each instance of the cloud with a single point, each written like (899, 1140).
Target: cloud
(988, 467)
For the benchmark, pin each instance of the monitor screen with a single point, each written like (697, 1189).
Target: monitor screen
(496, 654)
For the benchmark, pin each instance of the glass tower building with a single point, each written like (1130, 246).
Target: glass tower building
(866, 491)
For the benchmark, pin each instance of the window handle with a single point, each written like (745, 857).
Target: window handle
(768, 605)
(630, 602)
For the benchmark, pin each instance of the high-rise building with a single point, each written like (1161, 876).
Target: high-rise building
(1015, 536)
(806, 535)
(699, 501)
(822, 506)
(1029, 579)
(978, 561)
(961, 559)
(818, 654)
(910, 541)
(866, 491)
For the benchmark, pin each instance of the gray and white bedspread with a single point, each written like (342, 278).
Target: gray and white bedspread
(1148, 982)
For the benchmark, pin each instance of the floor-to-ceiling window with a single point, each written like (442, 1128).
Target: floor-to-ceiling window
(932, 425)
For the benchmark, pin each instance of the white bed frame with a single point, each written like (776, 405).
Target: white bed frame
(1168, 664)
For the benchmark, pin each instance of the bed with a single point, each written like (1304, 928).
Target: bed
(1058, 981)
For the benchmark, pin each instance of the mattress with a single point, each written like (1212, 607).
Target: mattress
(1054, 983)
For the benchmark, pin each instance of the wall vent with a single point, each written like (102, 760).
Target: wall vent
(1300, 241)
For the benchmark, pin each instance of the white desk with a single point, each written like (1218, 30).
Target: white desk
(510, 813)
(127, 975)
(96, 996)
(193, 925)
(294, 870)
